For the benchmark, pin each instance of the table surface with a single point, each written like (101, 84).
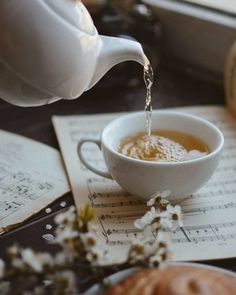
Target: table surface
(174, 88)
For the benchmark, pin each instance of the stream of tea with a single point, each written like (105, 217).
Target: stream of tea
(159, 145)
(148, 77)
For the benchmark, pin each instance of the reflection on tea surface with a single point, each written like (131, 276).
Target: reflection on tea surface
(163, 145)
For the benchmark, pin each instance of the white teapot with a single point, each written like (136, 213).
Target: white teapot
(50, 50)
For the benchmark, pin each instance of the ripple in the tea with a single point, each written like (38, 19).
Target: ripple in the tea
(163, 145)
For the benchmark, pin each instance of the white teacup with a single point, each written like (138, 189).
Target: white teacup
(144, 178)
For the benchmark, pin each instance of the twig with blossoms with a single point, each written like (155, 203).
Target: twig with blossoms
(43, 273)
(155, 249)
(162, 214)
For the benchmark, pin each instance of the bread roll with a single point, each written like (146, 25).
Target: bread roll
(176, 280)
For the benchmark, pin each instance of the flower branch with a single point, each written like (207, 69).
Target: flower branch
(82, 251)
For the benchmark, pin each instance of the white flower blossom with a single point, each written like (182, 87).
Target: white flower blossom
(160, 251)
(160, 258)
(154, 218)
(65, 233)
(146, 219)
(161, 221)
(162, 195)
(158, 248)
(66, 237)
(155, 261)
(46, 259)
(175, 216)
(145, 234)
(68, 216)
(36, 261)
(29, 257)
(97, 256)
(137, 251)
(2, 268)
(89, 240)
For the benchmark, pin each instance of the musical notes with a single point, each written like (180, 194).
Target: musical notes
(209, 230)
(31, 177)
(190, 234)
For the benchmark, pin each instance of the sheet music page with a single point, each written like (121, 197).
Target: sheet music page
(209, 230)
(31, 177)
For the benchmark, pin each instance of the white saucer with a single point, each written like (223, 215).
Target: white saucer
(115, 278)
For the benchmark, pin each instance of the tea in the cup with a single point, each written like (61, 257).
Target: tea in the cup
(163, 145)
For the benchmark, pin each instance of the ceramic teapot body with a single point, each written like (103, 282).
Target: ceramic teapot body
(51, 50)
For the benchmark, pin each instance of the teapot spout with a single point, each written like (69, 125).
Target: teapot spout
(113, 51)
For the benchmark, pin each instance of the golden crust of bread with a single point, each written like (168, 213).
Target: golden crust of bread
(176, 280)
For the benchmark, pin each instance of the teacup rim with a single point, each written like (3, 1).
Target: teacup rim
(156, 163)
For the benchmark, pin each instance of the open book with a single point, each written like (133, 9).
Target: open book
(209, 230)
(31, 177)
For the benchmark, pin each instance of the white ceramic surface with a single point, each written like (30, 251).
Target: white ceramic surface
(115, 278)
(144, 178)
(50, 49)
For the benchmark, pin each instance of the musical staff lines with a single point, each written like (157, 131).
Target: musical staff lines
(208, 207)
(217, 234)
(220, 232)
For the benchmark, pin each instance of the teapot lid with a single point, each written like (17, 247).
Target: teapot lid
(74, 12)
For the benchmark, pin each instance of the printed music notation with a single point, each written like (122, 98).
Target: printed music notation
(31, 177)
(189, 234)
(209, 230)
(205, 233)
(19, 187)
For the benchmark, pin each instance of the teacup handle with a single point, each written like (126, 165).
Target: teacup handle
(85, 162)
